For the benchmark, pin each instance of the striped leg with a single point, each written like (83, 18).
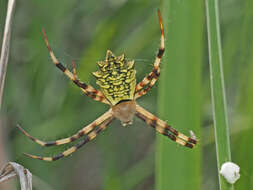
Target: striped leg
(163, 128)
(87, 89)
(74, 137)
(152, 77)
(74, 148)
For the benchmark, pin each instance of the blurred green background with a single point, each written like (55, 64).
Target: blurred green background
(44, 102)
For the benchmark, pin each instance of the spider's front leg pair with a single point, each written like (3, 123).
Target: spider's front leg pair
(163, 128)
(91, 131)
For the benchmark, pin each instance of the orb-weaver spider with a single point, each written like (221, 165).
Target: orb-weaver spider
(117, 80)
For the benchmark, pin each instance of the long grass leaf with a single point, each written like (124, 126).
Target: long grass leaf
(5, 46)
(217, 89)
(179, 94)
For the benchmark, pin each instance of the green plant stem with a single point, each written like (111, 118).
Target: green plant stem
(179, 94)
(217, 89)
(5, 46)
(3, 68)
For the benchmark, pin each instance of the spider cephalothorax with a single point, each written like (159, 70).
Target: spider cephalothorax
(116, 78)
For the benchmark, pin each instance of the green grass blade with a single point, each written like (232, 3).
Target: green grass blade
(179, 94)
(217, 89)
(5, 46)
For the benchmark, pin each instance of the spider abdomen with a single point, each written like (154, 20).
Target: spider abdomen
(116, 78)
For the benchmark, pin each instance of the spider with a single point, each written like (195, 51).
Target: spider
(117, 80)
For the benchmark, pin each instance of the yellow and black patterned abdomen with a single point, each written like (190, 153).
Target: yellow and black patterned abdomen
(116, 78)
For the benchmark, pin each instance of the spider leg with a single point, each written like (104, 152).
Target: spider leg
(74, 148)
(163, 128)
(74, 70)
(87, 89)
(152, 77)
(74, 137)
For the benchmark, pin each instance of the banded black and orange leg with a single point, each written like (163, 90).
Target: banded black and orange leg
(74, 148)
(80, 133)
(74, 70)
(163, 128)
(152, 77)
(87, 89)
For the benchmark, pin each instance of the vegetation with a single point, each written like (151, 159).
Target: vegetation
(44, 102)
(220, 120)
(180, 94)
